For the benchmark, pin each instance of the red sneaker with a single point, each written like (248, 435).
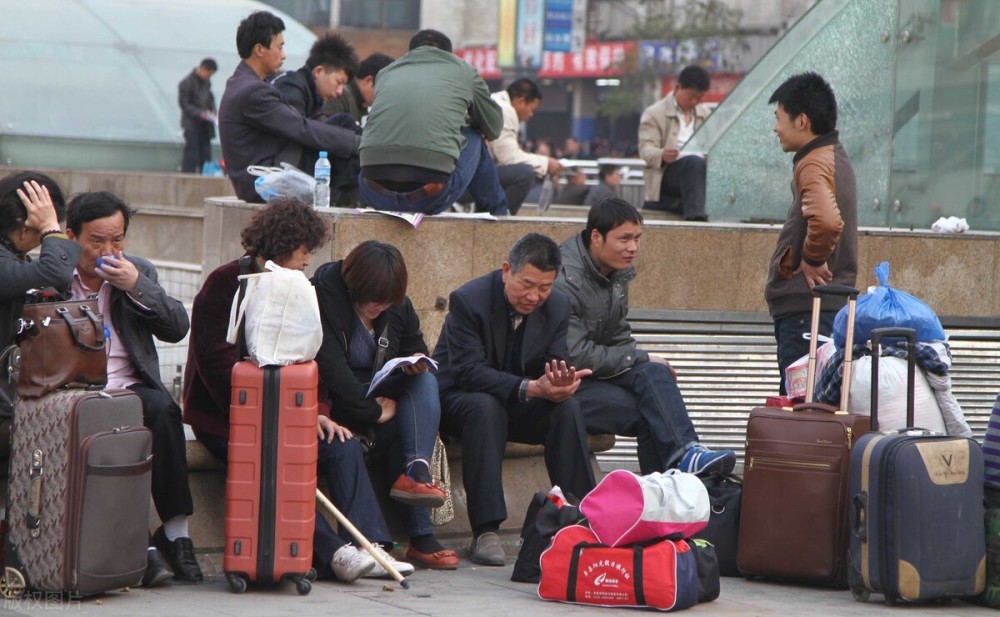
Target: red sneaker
(413, 493)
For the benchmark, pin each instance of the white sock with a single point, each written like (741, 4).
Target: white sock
(176, 527)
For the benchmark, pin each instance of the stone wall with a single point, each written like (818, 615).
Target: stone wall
(693, 266)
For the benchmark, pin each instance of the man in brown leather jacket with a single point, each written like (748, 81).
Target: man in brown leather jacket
(818, 243)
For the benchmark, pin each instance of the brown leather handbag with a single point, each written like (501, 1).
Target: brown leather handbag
(61, 343)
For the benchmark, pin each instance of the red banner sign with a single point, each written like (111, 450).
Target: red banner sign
(483, 59)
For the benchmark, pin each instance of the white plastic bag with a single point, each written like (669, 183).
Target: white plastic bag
(282, 322)
(892, 395)
(796, 373)
(284, 181)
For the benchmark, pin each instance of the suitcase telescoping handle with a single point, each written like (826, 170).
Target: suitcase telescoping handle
(818, 292)
(911, 368)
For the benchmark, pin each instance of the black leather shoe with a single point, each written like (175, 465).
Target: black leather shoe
(157, 570)
(180, 556)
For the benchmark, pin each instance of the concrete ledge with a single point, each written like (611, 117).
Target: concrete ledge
(524, 474)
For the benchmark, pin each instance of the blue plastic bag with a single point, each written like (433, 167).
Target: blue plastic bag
(886, 307)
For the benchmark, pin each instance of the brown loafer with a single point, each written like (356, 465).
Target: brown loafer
(446, 559)
(407, 490)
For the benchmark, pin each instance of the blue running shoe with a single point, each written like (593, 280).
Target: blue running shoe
(701, 461)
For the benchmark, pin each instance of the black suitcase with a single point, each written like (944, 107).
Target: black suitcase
(917, 530)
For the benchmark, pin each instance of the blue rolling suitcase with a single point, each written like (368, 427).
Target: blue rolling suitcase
(916, 531)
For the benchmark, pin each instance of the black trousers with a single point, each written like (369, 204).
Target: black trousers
(683, 187)
(162, 416)
(197, 149)
(516, 182)
(485, 426)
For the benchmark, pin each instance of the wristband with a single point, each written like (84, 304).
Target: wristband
(50, 232)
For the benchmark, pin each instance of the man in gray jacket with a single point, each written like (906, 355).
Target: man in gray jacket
(136, 308)
(631, 391)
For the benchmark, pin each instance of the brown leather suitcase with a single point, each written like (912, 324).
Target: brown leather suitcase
(793, 515)
(79, 491)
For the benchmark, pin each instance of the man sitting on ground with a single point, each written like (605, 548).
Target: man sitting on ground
(673, 182)
(503, 376)
(256, 124)
(632, 391)
(359, 94)
(609, 181)
(136, 308)
(418, 154)
(516, 168)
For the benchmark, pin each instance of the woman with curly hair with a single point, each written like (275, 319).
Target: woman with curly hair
(287, 232)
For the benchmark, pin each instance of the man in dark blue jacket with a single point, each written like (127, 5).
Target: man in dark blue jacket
(257, 126)
(503, 376)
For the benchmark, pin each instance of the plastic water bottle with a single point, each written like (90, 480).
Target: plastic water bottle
(321, 194)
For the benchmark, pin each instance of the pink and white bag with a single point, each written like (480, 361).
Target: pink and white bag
(626, 508)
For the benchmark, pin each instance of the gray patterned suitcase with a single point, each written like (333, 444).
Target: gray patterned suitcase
(79, 491)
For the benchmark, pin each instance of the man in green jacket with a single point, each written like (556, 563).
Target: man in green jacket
(418, 151)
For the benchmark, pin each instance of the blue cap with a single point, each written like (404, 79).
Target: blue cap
(322, 154)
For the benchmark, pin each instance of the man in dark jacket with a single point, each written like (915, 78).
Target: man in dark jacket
(359, 94)
(503, 375)
(418, 154)
(818, 243)
(136, 308)
(330, 66)
(632, 392)
(256, 124)
(194, 95)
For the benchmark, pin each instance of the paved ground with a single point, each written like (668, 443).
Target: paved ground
(469, 591)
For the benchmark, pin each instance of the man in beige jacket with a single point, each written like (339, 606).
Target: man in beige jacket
(516, 168)
(673, 182)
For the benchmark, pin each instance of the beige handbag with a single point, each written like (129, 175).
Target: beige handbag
(442, 477)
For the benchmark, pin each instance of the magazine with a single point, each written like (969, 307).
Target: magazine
(398, 363)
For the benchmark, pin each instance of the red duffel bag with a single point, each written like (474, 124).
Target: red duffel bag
(576, 568)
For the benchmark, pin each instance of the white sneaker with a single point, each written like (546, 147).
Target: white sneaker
(349, 564)
(378, 571)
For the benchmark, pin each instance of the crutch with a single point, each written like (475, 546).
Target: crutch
(342, 520)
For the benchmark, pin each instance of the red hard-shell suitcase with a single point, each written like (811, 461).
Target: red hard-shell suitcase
(271, 479)
(793, 514)
(80, 474)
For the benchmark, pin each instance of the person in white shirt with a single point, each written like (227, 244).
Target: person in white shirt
(516, 168)
(674, 182)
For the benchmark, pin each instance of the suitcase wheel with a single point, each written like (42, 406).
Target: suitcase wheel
(303, 586)
(237, 583)
(857, 584)
(311, 575)
(12, 583)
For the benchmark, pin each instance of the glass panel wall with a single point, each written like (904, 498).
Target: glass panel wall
(919, 113)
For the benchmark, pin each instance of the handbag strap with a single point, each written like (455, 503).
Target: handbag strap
(640, 595)
(574, 569)
(63, 313)
(383, 343)
(241, 338)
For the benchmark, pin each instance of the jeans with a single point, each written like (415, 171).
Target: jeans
(474, 171)
(645, 402)
(788, 331)
(410, 435)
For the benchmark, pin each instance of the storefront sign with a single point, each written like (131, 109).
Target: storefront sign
(530, 24)
(595, 60)
(483, 59)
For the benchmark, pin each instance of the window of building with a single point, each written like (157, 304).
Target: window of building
(388, 14)
(314, 13)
